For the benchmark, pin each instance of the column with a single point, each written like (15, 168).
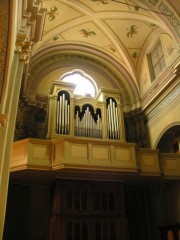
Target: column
(7, 133)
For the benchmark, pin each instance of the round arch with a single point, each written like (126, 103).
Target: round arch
(85, 58)
(168, 135)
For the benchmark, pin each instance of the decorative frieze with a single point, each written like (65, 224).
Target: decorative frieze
(173, 19)
(174, 94)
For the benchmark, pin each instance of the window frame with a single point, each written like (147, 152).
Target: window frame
(152, 65)
(84, 75)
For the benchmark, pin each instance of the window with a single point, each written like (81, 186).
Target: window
(85, 85)
(156, 61)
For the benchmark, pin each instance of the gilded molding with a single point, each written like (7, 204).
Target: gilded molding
(3, 120)
(24, 47)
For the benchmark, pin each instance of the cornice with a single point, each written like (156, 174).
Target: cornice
(31, 29)
(168, 80)
(33, 15)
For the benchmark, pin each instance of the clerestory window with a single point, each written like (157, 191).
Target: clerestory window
(156, 61)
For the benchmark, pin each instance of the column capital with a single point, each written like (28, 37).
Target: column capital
(23, 46)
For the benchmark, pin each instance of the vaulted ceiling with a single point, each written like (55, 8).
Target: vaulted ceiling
(106, 38)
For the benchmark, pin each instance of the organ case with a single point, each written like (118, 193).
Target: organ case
(100, 117)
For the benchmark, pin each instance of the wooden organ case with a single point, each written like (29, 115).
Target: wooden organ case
(81, 209)
(87, 210)
(69, 115)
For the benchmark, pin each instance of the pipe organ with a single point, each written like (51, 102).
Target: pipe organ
(100, 117)
(88, 123)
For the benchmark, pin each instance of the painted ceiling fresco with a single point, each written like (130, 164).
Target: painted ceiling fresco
(119, 28)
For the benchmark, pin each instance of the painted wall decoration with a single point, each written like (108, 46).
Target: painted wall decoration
(136, 8)
(154, 2)
(134, 54)
(55, 38)
(112, 49)
(132, 30)
(170, 49)
(174, 20)
(4, 21)
(101, 1)
(52, 13)
(86, 33)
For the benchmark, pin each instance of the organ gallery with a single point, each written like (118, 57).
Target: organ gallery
(100, 117)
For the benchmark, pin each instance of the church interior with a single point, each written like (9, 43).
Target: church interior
(90, 119)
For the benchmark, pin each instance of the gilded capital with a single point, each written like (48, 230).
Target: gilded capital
(23, 46)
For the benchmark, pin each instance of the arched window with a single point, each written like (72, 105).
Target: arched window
(85, 85)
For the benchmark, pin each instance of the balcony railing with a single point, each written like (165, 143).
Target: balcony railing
(92, 154)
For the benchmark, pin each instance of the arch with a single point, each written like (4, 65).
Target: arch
(168, 136)
(65, 55)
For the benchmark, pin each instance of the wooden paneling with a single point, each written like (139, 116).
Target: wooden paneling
(77, 153)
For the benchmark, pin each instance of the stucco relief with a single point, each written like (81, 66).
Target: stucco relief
(4, 12)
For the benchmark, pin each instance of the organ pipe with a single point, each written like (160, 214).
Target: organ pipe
(87, 123)
(117, 122)
(63, 115)
(112, 120)
(68, 122)
(57, 117)
(86, 126)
